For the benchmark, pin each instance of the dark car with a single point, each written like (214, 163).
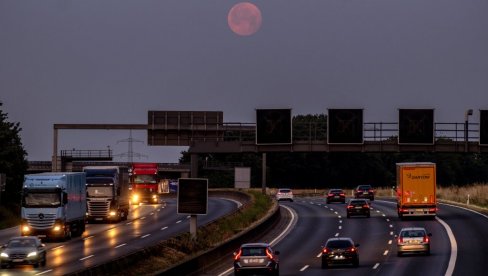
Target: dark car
(413, 240)
(364, 191)
(340, 251)
(23, 250)
(335, 195)
(256, 258)
(358, 207)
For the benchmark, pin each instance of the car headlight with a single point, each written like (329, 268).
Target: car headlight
(25, 228)
(154, 196)
(4, 255)
(32, 254)
(113, 213)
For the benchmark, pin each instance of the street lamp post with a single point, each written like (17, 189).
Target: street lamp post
(468, 113)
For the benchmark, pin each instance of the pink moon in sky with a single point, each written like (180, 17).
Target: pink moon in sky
(244, 18)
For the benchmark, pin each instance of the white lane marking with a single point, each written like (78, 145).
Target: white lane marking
(164, 228)
(178, 221)
(130, 222)
(319, 255)
(188, 217)
(87, 257)
(292, 223)
(238, 203)
(331, 209)
(143, 218)
(385, 253)
(340, 227)
(337, 234)
(120, 245)
(159, 210)
(452, 239)
(305, 267)
(376, 265)
(377, 211)
(391, 226)
(336, 213)
(339, 217)
(384, 215)
(391, 233)
(340, 221)
(387, 220)
(145, 236)
(57, 247)
(44, 272)
(89, 237)
(151, 214)
(390, 241)
(326, 207)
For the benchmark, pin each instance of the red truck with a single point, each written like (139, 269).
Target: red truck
(144, 183)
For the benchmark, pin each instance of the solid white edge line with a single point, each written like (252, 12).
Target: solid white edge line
(452, 239)
(178, 221)
(303, 268)
(43, 272)
(385, 253)
(143, 218)
(337, 234)
(145, 236)
(87, 257)
(285, 232)
(89, 237)
(319, 255)
(460, 207)
(120, 245)
(164, 228)
(390, 242)
(376, 265)
(57, 247)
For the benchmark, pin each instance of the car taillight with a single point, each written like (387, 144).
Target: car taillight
(351, 249)
(426, 239)
(324, 250)
(350, 206)
(331, 194)
(342, 194)
(366, 206)
(270, 256)
(238, 255)
(370, 190)
(400, 240)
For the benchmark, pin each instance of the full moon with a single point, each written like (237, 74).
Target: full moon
(244, 18)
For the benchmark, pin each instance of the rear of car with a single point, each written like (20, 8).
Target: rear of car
(413, 240)
(364, 191)
(256, 258)
(358, 207)
(340, 251)
(284, 194)
(335, 195)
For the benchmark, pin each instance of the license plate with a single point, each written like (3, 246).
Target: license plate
(359, 207)
(338, 257)
(98, 218)
(365, 193)
(17, 260)
(253, 261)
(41, 236)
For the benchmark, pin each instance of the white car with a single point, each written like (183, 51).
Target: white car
(413, 240)
(284, 194)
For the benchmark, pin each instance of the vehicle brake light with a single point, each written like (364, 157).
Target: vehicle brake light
(352, 249)
(331, 194)
(426, 239)
(342, 194)
(366, 206)
(270, 256)
(350, 206)
(324, 250)
(238, 255)
(400, 240)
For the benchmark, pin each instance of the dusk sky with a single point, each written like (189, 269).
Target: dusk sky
(100, 61)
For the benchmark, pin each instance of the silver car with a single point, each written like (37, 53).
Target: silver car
(284, 194)
(21, 251)
(413, 240)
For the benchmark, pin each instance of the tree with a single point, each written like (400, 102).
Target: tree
(13, 160)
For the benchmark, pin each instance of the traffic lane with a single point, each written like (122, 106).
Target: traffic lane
(299, 249)
(132, 236)
(368, 232)
(417, 264)
(470, 230)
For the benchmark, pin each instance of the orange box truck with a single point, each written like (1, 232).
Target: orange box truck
(416, 189)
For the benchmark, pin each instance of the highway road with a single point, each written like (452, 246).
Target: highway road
(459, 246)
(147, 224)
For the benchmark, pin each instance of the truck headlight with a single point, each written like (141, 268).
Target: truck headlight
(135, 198)
(32, 254)
(113, 213)
(56, 227)
(25, 228)
(4, 255)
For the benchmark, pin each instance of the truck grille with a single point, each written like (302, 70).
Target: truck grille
(98, 208)
(41, 221)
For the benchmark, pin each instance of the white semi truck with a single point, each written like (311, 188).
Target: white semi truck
(54, 205)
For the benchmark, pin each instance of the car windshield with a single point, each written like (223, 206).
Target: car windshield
(21, 243)
(412, 234)
(144, 178)
(253, 251)
(284, 191)
(339, 244)
(364, 187)
(335, 191)
(358, 202)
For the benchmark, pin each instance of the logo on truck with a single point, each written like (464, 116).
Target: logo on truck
(418, 177)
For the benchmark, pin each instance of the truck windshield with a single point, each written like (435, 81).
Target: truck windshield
(33, 199)
(99, 180)
(145, 178)
(99, 191)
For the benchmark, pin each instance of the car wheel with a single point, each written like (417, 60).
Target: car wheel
(237, 273)
(368, 215)
(3, 265)
(348, 216)
(427, 253)
(43, 263)
(325, 265)
(399, 254)
(36, 265)
(356, 262)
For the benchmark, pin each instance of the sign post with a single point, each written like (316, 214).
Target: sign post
(192, 200)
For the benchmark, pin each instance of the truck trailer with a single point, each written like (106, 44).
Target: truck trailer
(107, 189)
(53, 205)
(416, 189)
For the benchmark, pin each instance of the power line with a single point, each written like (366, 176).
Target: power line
(130, 154)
